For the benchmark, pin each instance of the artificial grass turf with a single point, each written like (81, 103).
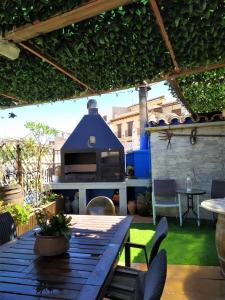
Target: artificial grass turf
(187, 245)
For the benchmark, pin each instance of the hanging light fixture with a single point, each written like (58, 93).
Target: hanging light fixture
(9, 50)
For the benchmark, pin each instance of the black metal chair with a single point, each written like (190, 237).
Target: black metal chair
(160, 233)
(217, 191)
(147, 285)
(124, 275)
(7, 228)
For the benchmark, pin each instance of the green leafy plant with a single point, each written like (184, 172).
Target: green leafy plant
(130, 171)
(148, 196)
(144, 203)
(19, 213)
(58, 225)
(2, 206)
(50, 197)
(206, 91)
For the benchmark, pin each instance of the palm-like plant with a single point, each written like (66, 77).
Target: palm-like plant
(58, 225)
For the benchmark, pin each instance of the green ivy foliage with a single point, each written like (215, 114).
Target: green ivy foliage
(20, 12)
(196, 29)
(205, 92)
(116, 49)
(29, 78)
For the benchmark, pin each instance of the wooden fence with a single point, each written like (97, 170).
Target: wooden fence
(53, 208)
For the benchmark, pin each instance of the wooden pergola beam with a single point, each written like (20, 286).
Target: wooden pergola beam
(164, 34)
(195, 70)
(81, 13)
(175, 86)
(187, 72)
(37, 52)
(15, 99)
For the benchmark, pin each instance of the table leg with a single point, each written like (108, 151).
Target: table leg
(191, 207)
(198, 210)
(127, 253)
(187, 210)
(220, 241)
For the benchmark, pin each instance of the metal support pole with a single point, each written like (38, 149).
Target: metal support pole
(143, 110)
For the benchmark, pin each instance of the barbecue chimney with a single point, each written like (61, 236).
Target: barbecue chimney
(92, 152)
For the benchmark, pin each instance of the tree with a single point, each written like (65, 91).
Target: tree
(41, 135)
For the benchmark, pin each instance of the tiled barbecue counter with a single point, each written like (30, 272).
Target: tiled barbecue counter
(83, 187)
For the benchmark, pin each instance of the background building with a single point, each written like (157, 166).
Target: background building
(125, 121)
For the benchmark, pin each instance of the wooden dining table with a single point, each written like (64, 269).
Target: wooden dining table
(83, 273)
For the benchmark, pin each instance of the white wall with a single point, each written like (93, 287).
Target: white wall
(203, 161)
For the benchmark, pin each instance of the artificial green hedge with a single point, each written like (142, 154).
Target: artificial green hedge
(196, 29)
(20, 12)
(116, 49)
(119, 48)
(113, 50)
(33, 80)
(206, 91)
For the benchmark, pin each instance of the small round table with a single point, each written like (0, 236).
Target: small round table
(218, 206)
(190, 200)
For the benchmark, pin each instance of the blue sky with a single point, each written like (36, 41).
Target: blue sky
(65, 115)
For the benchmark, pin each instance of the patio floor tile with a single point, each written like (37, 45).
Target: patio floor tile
(192, 283)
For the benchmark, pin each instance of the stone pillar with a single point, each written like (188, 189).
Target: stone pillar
(82, 201)
(123, 201)
(143, 94)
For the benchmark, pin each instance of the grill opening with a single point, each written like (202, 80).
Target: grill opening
(110, 164)
(80, 158)
(80, 163)
(110, 157)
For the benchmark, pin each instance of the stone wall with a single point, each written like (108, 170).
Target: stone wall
(203, 161)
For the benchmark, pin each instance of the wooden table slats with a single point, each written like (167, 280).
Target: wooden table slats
(82, 273)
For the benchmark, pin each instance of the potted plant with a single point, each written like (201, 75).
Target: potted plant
(49, 196)
(130, 171)
(54, 235)
(144, 203)
(132, 206)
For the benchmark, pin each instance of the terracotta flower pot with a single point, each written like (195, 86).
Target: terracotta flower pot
(50, 245)
(143, 206)
(131, 205)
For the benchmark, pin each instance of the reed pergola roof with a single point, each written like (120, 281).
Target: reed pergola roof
(79, 48)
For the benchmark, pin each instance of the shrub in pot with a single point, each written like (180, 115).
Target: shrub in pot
(130, 171)
(50, 196)
(54, 235)
(144, 203)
